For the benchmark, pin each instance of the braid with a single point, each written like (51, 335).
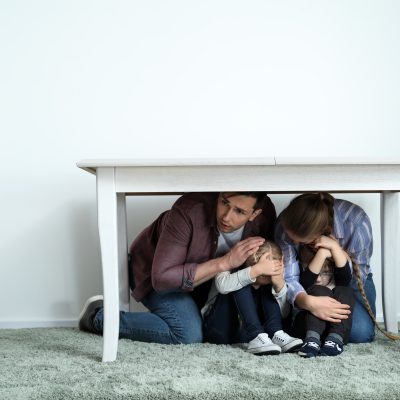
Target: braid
(366, 304)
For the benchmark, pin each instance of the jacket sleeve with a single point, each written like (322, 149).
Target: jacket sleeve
(269, 214)
(169, 270)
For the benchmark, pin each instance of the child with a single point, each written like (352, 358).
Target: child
(267, 296)
(326, 272)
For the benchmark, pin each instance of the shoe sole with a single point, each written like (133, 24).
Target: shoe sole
(330, 355)
(89, 301)
(266, 353)
(307, 355)
(292, 347)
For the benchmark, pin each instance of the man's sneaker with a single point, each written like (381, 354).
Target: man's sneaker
(286, 342)
(88, 313)
(309, 349)
(262, 345)
(331, 348)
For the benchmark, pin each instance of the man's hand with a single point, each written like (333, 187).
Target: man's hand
(241, 251)
(328, 309)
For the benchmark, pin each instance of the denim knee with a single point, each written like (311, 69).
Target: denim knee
(361, 334)
(190, 336)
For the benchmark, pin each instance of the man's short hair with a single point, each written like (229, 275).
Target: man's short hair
(259, 196)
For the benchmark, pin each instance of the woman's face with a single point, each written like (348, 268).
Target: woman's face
(301, 240)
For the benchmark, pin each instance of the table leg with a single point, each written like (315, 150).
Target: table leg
(390, 233)
(124, 291)
(108, 233)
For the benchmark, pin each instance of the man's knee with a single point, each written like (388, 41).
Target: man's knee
(190, 336)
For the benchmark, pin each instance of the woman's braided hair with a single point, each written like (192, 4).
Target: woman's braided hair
(311, 214)
(357, 273)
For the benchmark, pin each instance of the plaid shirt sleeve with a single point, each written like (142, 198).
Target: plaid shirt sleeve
(291, 264)
(360, 243)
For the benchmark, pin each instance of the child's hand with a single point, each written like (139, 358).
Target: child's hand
(332, 245)
(268, 266)
(327, 242)
(278, 281)
(326, 253)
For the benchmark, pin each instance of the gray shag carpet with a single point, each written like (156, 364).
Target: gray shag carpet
(64, 363)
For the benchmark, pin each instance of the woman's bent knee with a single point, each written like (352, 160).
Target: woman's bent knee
(362, 332)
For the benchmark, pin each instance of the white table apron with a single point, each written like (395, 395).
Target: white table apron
(118, 178)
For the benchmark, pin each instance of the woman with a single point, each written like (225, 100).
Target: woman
(311, 217)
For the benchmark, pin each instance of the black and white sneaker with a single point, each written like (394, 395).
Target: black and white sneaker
(309, 349)
(331, 348)
(92, 305)
(286, 342)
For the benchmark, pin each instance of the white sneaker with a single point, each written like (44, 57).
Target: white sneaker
(262, 345)
(286, 342)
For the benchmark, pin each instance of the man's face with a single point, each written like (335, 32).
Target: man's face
(234, 210)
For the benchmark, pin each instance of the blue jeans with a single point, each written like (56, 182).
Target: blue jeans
(173, 319)
(258, 310)
(363, 328)
(221, 323)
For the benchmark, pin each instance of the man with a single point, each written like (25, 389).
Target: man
(173, 260)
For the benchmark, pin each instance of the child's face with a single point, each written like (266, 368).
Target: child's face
(324, 277)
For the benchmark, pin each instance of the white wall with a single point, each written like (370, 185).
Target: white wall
(220, 78)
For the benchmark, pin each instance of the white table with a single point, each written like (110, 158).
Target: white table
(118, 178)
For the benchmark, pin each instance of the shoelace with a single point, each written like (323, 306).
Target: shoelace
(280, 339)
(267, 340)
(313, 344)
(330, 343)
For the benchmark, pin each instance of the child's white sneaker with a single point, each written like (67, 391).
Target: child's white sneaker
(262, 345)
(286, 342)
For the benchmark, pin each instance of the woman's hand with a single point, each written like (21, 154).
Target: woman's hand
(328, 309)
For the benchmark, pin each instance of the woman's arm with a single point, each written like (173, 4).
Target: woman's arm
(291, 264)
